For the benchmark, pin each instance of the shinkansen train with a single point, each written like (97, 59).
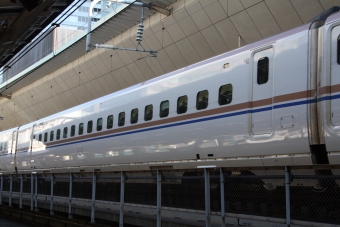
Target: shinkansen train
(275, 102)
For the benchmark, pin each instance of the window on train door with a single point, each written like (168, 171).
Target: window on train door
(65, 133)
(134, 116)
(164, 109)
(202, 100)
(51, 135)
(121, 119)
(109, 123)
(45, 137)
(338, 50)
(148, 112)
(182, 104)
(263, 70)
(0, 146)
(40, 137)
(225, 94)
(58, 134)
(99, 124)
(5, 146)
(81, 129)
(73, 130)
(89, 126)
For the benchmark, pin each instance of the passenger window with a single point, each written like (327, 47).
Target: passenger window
(164, 109)
(109, 122)
(45, 137)
(5, 146)
(58, 134)
(51, 135)
(182, 104)
(148, 112)
(121, 119)
(202, 100)
(40, 137)
(81, 129)
(65, 133)
(99, 124)
(0, 146)
(134, 116)
(89, 126)
(263, 70)
(73, 130)
(225, 94)
(34, 137)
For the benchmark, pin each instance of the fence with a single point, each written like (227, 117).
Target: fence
(290, 195)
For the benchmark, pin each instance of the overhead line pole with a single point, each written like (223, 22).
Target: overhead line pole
(140, 29)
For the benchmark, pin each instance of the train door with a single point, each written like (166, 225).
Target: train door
(335, 76)
(262, 105)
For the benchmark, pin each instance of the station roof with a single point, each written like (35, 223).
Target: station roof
(111, 26)
(22, 20)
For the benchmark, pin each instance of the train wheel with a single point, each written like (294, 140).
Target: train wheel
(319, 189)
(270, 187)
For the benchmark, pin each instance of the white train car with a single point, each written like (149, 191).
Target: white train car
(254, 106)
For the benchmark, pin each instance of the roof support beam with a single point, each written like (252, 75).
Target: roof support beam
(159, 9)
(6, 96)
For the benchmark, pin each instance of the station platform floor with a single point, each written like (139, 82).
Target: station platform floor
(9, 223)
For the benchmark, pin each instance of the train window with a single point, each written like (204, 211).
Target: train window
(89, 126)
(5, 146)
(164, 109)
(51, 135)
(99, 124)
(40, 137)
(81, 129)
(34, 137)
(45, 137)
(134, 116)
(0, 146)
(121, 119)
(225, 94)
(58, 134)
(263, 70)
(109, 122)
(148, 112)
(182, 104)
(338, 50)
(202, 100)
(73, 130)
(65, 132)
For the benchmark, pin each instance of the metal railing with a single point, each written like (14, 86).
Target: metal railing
(290, 195)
